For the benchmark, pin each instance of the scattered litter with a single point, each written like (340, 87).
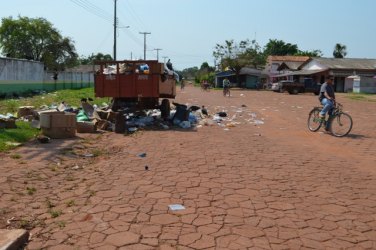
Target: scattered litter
(142, 155)
(258, 122)
(222, 114)
(13, 144)
(43, 139)
(10, 220)
(76, 167)
(164, 126)
(185, 124)
(176, 207)
(226, 129)
(132, 129)
(88, 155)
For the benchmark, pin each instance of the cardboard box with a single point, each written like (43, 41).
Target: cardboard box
(86, 127)
(58, 125)
(59, 133)
(57, 119)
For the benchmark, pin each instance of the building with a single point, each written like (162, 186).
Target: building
(339, 68)
(277, 65)
(249, 78)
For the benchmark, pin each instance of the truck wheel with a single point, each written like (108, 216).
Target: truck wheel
(165, 109)
(295, 91)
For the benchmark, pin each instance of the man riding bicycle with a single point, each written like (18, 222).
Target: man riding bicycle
(327, 97)
(226, 87)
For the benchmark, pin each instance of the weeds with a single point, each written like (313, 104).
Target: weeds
(31, 191)
(55, 213)
(71, 203)
(16, 156)
(61, 224)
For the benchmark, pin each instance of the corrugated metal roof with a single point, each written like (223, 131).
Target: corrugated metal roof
(290, 65)
(301, 73)
(288, 58)
(347, 63)
(250, 71)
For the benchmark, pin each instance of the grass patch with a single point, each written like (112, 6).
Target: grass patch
(71, 203)
(71, 96)
(55, 213)
(9, 138)
(16, 156)
(31, 190)
(61, 224)
(362, 97)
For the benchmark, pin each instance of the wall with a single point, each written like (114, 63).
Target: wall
(18, 75)
(360, 85)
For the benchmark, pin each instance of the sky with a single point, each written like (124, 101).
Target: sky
(187, 31)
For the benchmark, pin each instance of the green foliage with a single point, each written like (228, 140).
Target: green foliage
(71, 96)
(31, 190)
(362, 97)
(10, 137)
(280, 48)
(235, 56)
(98, 57)
(339, 51)
(313, 53)
(55, 213)
(189, 73)
(36, 39)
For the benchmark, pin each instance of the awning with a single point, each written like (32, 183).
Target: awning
(301, 73)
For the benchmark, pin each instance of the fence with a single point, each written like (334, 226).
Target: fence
(18, 75)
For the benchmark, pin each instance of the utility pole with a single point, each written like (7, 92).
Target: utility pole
(157, 53)
(145, 33)
(115, 28)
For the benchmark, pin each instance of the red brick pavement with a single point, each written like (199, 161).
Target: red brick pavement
(248, 186)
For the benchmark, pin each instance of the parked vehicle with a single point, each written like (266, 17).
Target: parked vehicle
(308, 86)
(281, 85)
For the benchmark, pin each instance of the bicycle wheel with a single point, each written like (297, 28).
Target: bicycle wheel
(341, 124)
(314, 122)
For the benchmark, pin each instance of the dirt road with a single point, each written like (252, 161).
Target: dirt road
(264, 181)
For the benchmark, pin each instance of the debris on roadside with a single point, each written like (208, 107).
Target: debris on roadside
(64, 121)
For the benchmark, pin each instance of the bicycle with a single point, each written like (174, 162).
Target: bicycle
(226, 91)
(338, 123)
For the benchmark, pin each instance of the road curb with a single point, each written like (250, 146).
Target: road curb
(13, 239)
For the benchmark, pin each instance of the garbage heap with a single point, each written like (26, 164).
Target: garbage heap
(63, 121)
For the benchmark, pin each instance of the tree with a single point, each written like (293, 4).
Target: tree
(235, 56)
(339, 51)
(313, 53)
(36, 39)
(98, 57)
(279, 48)
(189, 73)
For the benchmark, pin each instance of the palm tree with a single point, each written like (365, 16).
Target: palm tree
(339, 51)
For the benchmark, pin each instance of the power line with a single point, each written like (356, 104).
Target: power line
(91, 8)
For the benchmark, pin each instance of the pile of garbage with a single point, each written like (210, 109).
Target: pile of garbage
(63, 121)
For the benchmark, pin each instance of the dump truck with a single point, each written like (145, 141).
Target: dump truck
(135, 85)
